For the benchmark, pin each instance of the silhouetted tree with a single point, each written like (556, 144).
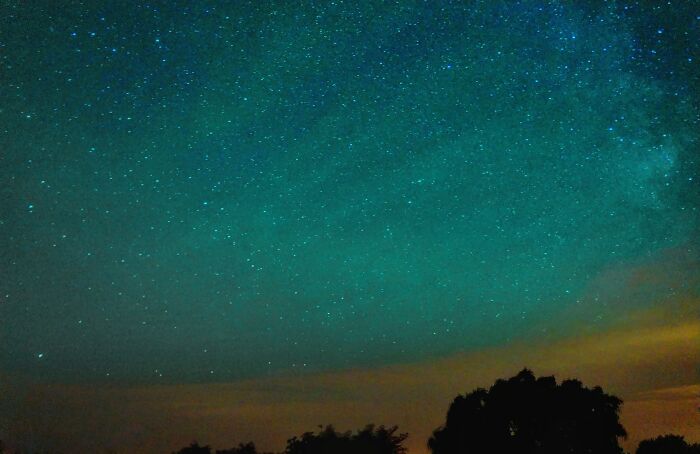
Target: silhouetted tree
(528, 415)
(667, 444)
(194, 448)
(247, 448)
(242, 448)
(369, 440)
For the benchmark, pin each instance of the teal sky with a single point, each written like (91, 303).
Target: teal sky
(207, 191)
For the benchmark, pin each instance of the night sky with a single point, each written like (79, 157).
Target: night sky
(238, 193)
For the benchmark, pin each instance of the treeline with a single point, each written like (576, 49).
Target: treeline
(523, 414)
(330, 442)
(370, 440)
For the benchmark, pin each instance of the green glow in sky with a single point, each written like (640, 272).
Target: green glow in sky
(196, 191)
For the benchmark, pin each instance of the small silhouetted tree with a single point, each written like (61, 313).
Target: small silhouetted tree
(194, 448)
(369, 440)
(247, 448)
(528, 415)
(667, 444)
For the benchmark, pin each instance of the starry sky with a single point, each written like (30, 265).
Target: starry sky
(219, 193)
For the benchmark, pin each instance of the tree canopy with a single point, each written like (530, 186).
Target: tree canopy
(194, 448)
(667, 444)
(370, 440)
(242, 448)
(531, 415)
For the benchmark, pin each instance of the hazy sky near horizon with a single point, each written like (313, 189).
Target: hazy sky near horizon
(212, 191)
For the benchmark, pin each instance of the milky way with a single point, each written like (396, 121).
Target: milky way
(197, 191)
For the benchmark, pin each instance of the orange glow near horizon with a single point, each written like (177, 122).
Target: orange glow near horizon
(651, 368)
